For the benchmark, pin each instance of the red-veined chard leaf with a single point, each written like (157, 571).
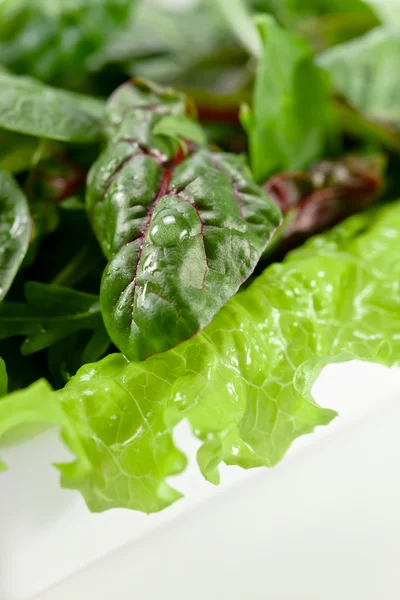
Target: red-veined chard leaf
(330, 191)
(181, 234)
(15, 230)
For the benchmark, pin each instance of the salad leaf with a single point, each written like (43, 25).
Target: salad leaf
(388, 10)
(15, 230)
(51, 313)
(181, 235)
(290, 122)
(57, 40)
(362, 72)
(332, 190)
(181, 127)
(12, 430)
(3, 378)
(27, 106)
(297, 8)
(239, 17)
(244, 383)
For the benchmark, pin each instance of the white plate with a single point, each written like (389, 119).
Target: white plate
(322, 525)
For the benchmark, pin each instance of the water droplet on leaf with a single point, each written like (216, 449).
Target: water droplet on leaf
(169, 231)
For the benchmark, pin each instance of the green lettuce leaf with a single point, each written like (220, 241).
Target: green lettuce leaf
(244, 383)
(290, 121)
(15, 230)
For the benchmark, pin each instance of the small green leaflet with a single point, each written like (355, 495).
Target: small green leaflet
(52, 313)
(15, 230)
(181, 128)
(244, 383)
(27, 106)
(290, 122)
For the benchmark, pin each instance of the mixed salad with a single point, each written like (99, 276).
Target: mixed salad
(197, 213)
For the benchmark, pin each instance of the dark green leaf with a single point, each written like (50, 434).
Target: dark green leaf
(57, 40)
(3, 378)
(181, 235)
(51, 314)
(21, 370)
(27, 106)
(15, 230)
(290, 122)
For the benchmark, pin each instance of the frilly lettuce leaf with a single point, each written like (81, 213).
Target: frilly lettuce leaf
(244, 383)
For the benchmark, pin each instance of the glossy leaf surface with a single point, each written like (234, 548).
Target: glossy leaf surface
(182, 234)
(15, 230)
(27, 106)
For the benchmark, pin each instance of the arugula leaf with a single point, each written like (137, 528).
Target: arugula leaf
(290, 122)
(362, 71)
(3, 378)
(15, 230)
(29, 107)
(181, 235)
(52, 313)
(244, 383)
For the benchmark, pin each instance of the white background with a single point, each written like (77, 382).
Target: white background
(322, 525)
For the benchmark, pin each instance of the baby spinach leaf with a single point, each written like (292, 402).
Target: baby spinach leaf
(181, 234)
(363, 71)
(290, 121)
(29, 107)
(15, 230)
(51, 313)
(57, 40)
